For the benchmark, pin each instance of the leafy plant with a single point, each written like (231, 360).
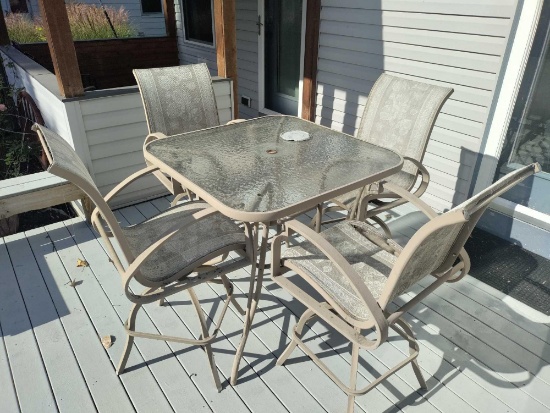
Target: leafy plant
(18, 150)
(87, 22)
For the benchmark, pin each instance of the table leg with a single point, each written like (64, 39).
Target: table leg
(254, 292)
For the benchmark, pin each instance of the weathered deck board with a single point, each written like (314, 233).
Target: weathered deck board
(155, 355)
(488, 335)
(68, 386)
(28, 372)
(478, 353)
(103, 315)
(106, 389)
(8, 401)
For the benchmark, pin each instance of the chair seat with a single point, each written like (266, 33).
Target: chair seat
(372, 263)
(187, 249)
(403, 179)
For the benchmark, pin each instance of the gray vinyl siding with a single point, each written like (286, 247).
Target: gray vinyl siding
(247, 52)
(247, 55)
(115, 128)
(446, 42)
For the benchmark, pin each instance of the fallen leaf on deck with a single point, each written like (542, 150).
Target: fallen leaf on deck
(81, 263)
(107, 341)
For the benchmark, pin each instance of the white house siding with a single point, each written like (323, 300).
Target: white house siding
(247, 52)
(115, 128)
(447, 42)
(247, 55)
(146, 24)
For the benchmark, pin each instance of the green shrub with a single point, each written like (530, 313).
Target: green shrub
(87, 22)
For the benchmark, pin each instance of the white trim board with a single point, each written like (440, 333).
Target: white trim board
(514, 70)
(522, 213)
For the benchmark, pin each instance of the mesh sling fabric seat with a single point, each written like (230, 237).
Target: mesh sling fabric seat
(399, 115)
(167, 253)
(176, 100)
(358, 270)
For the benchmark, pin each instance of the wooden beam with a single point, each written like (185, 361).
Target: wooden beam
(169, 17)
(313, 17)
(60, 42)
(4, 36)
(226, 44)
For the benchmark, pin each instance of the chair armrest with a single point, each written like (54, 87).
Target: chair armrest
(134, 266)
(462, 267)
(424, 174)
(135, 176)
(153, 137)
(113, 192)
(412, 198)
(345, 268)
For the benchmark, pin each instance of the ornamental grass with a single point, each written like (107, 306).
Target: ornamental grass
(87, 22)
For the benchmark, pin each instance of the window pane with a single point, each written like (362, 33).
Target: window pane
(528, 137)
(151, 6)
(198, 20)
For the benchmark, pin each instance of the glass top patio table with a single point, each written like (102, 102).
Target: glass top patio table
(249, 173)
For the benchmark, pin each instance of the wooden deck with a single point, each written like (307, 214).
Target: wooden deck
(480, 351)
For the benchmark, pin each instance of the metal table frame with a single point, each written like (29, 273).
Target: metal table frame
(254, 219)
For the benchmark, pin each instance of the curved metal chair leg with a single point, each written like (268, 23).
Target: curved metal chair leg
(413, 351)
(207, 347)
(353, 375)
(382, 225)
(178, 197)
(229, 288)
(306, 316)
(131, 326)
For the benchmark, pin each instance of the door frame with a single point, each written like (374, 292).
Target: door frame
(514, 69)
(261, 57)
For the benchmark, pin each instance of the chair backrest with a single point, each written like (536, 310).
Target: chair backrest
(400, 115)
(435, 246)
(177, 99)
(65, 163)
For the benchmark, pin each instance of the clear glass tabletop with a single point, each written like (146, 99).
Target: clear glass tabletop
(248, 172)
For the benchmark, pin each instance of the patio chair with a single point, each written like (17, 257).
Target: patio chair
(176, 100)
(358, 271)
(399, 115)
(167, 253)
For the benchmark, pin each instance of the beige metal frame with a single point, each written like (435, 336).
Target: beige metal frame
(104, 221)
(360, 210)
(174, 187)
(455, 266)
(252, 222)
(383, 202)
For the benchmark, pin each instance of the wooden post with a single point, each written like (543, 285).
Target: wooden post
(169, 17)
(4, 37)
(313, 17)
(226, 44)
(62, 51)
